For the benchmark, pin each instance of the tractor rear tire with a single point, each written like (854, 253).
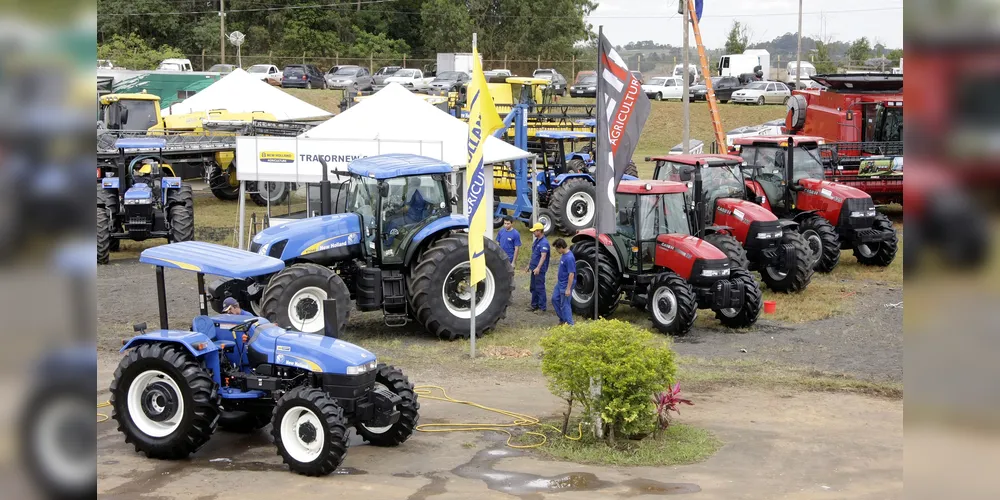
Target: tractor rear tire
(609, 287)
(261, 192)
(576, 165)
(671, 304)
(243, 422)
(103, 236)
(310, 431)
(752, 302)
(220, 184)
(172, 381)
(885, 251)
(442, 271)
(302, 288)
(392, 378)
(180, 212)
(731, 247)
(109, 200)
(799, 273)
(574, 206)
(631, 169)
(824, 244)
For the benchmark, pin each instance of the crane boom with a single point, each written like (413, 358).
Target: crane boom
(713, 104)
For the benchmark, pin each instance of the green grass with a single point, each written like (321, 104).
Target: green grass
(678, 445)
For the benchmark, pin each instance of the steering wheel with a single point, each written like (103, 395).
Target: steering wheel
(244, 326)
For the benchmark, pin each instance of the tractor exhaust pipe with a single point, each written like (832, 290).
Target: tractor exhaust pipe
(325, 208)
(331, 327)
(699, 202)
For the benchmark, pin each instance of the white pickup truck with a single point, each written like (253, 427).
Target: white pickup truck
(412, 79)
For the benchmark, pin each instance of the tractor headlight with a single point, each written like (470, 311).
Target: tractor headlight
(360, 369)
(867, 213)
(138, 201)
(769, 236)
(715, 273)
(263, 249)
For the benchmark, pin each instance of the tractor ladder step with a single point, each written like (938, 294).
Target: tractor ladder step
(394, 302)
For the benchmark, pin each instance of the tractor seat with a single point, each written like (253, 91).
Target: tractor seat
(205, 325)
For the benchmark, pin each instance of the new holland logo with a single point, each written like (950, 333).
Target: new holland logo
(277, 157)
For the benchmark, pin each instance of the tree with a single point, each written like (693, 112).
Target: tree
(738, 39)
(131, 52)
(823, 63)
(895, 55)
(860, 51)
(446, 26)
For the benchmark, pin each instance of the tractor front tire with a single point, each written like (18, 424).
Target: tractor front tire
(310, 431)
(164, 400)
(576, 165)
(103, 236)
(392, 378)
(545, 218)
(574, 206)
(607, 281)
(262, 193)
(180, 211)
(243, 422)
(440, 294)
(294, 298)
(109, 201)
(747, 315)
(672, 304)
(731, 247)
(824, 244)
(220, 182)
(797, 274)
(632, 169)
(882, 253)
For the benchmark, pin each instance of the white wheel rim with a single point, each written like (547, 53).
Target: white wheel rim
(59, 463)
(664, 293)
(580, 199)
(382, 430)
(137, 392)
(301, 305)
(302, 449)
(775, 274)
(546, 223)
(578, 296)
(272, 191)
(866, 250)
(457, 301)
(815, 246)
(729, 312)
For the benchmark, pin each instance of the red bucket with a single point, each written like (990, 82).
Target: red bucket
(770, 306)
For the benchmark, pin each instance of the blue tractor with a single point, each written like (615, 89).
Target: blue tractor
(397, 247)
(174, 387)
(142, 200)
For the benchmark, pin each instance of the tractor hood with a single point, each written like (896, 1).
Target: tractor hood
(689, 246)
(832, 190)
(743, 210)
(309, 236)
(318, 353)
(138, 191)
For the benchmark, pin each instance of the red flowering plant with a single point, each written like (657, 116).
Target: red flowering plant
(666, 402)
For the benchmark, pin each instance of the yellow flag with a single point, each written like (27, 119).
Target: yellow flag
(483, 121)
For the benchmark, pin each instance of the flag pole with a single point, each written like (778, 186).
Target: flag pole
(472, 299)
(597, 199)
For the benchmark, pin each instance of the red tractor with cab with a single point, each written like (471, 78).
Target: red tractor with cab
(657, 265)
(752, 237)
(785, 175)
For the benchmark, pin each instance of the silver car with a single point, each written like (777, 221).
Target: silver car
(349, 77)
(761, 93)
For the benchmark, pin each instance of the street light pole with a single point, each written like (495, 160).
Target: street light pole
(687, 75)
(798, 52)
(222, 31)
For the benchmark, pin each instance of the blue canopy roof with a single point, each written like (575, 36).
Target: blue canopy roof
(589, 122)
(140, 143)
(397, 165)
(563, 134)
(210, 258)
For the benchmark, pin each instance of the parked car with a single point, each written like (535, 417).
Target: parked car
(763, 93)
(350, 77)
(175, 65)
(724, 87)
(638, 76)
(266, 72)
(558, 81)
(302, 76)
(581, 74)
(585, 87)
(411, 78)
(105, 64)
(449, 81)
(498, 75)
(222, 68)
(378, 79)
(664, 87)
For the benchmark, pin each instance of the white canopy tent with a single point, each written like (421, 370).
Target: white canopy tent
(239, 92)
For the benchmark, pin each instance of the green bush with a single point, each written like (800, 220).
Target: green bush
(629, 366)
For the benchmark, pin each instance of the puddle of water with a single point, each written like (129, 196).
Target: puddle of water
(405, 475)
(641, 486)
(520, 484)
(437, 486)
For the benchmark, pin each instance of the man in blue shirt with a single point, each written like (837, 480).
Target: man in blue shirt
(538, 266)
(561, 296)
(231, 306)
(509, 239)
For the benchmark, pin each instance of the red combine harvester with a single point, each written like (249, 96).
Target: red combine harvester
(860, 119)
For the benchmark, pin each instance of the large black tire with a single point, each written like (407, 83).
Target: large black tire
(747, 315)
(608, 278)
(303, 287)
(392, 378)
(180, 212)
(545, 217)
(797, 107)
(497, 219)
(103, 236)
(576, 165)
(108, 200)
(305, 417)
(731, 247)
(883, 252)
(671, 304)
(632, 169)
(54, 431)
(441, 270)
(219, 183)
(170, 375)
(573, 206)
(276, 192)
(823, 242)
(243, 422)
(798, 273)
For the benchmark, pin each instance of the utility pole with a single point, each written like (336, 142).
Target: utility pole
(798, 51)
(686, 144)
(222, 31)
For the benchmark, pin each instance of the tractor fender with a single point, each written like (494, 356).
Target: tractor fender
(718, 229)
(799, 216)
(561, 178)
(626, 177)
(791, 225)
(589, 235)
(576, 155)
(184, 338)
(110, 183)
(431, 232)
(170, 182)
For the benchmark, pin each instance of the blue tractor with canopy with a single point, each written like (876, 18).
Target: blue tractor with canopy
(398, 246)
(240, 372)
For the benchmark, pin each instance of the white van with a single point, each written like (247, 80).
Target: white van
(737, 64)
(175, 65)
(692, 69)
(808, 70)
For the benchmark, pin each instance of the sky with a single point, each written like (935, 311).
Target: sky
(657, 20)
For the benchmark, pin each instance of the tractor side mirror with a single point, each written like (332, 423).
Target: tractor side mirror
(624, 217)
(383, 189)
(123, 115)
(687, 173)
(139, 327)
(760, 200)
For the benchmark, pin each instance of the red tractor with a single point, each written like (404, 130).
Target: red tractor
(653, 260)
(749, 234)
(785, 175)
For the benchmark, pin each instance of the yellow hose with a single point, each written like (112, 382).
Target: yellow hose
(100, 416)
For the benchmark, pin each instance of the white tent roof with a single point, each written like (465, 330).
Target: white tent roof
(396, 114)
(239, 92)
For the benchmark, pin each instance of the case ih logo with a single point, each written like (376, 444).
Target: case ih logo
(669, 247)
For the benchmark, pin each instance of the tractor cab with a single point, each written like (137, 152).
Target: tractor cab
(779, 171)
(567, 151)
(647, 213)
(712, 177)
(134, 112)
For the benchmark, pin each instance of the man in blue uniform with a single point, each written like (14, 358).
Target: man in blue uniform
(538, 266)
(231, 306)
(509, 239)
(564, 285)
